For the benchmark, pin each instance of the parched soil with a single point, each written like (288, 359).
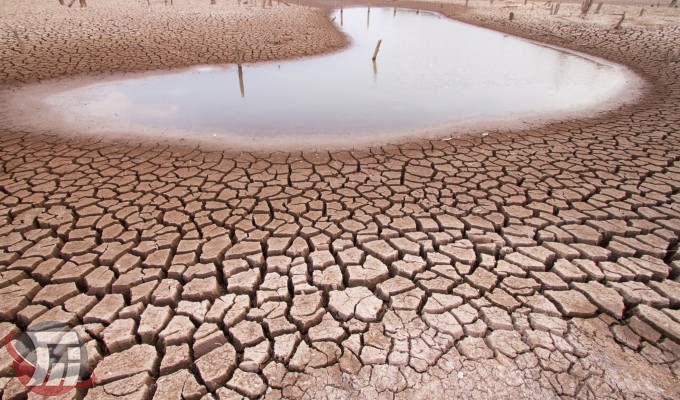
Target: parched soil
(43, 40)
(538, 263)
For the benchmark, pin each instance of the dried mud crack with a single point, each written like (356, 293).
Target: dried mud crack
(525, 264)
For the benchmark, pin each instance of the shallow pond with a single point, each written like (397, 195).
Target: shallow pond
(430, 72)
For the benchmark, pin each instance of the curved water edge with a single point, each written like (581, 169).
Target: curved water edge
(433, 77)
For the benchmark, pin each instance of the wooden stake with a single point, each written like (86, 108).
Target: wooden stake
(22, 48)
(599, 7)
(512, 15)
(61, 2)
(557, 8)
(71, 3)
(642, 12)
(83, 3)
(673, 3)
(585, 7)
(238, 59)
(377, 49)
(618, 25)
(240, 82)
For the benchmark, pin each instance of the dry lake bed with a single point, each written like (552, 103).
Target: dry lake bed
(234, 200)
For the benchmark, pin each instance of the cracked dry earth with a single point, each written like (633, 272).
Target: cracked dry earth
(532, 264)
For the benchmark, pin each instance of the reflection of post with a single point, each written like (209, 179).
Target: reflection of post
(341, 19)
(395, 12)
(375, 69)
(240, 82)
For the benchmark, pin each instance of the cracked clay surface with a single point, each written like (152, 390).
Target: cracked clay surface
(534, 263)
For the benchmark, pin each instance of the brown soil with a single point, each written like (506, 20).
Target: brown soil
(538, 263)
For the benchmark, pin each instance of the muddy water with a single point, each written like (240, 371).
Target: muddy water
(430, 72)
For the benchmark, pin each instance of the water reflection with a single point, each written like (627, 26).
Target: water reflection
(432, 71)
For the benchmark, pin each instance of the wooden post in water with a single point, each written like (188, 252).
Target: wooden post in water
(377, 49)
(557, 8)
(599, 7)
(466, 3)
(240, 82)
(618, 25)
(61, 2)
(71, 3)
(368, 16)
(642, 12)
(673, 3)
(83, 3)
(512, 15)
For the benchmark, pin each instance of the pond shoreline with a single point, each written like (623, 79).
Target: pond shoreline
(26, 106)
